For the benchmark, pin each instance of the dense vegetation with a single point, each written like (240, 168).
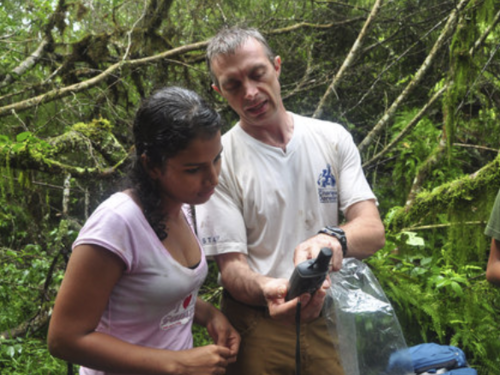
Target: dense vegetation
(415, 81)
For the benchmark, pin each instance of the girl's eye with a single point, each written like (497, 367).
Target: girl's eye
(192, 171)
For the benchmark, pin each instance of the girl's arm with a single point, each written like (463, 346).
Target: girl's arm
(90, 277)
(219, 328)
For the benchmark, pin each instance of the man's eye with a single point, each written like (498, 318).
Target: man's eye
(258, 74)
(192, 170)
(231, 86)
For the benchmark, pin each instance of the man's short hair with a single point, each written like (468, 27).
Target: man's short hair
(227, 41)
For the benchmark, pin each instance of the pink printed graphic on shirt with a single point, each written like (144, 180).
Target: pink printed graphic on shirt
(182, 314)
(185, 304)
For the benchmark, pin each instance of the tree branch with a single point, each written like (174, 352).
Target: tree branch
(305, 25)
(349, 59)
(440, 42)
(34, 154)
(26, 64)
(394, 62)
(85, 85)
(407, 128)
(424, 170)
(479, 42)
(450, 196)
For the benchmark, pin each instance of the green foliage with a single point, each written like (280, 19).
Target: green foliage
(465, 67)
(210, 292)
(23, 276)
(22, 298)
(414, 148)
(439, 297)
(433, 265)
(410, 155)
(28, 356)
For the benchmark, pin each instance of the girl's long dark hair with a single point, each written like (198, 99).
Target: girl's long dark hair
(164, 124)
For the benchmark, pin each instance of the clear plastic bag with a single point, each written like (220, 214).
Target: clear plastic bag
(360, 315)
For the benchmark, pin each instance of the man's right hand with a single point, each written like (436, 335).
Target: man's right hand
(275, 292)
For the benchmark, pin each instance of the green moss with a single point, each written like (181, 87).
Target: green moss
(471, 193)
(93, 129)
(100, 152)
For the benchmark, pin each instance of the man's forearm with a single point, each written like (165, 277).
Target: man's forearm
(364, 238)
(241, 282)
(364, 230)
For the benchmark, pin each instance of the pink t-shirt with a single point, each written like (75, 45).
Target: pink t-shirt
(153, 303)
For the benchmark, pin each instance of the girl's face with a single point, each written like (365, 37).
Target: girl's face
(191, 176)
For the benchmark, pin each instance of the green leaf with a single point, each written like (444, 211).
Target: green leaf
(21, 137)
(18, 146)
(414, 240)
(4, 139)
(457, 288)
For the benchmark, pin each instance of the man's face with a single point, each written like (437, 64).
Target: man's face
(249, 82)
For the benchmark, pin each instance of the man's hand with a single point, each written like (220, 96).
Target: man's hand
(363, 229)
(275, 293)
(310, 249)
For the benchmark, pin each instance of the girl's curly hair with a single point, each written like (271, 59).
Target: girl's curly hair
(164, 124)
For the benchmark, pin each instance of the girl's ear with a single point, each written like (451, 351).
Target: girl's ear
(153, 172)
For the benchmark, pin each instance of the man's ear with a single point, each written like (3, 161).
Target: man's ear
(277, 65)
(214, 86)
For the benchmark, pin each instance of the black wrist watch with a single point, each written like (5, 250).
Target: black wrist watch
(339, 234)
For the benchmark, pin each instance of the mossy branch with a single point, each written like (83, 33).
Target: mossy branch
(450, 197)
(57, 155)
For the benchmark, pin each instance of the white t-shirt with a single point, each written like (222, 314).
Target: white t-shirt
(268, 200)
(153, 302)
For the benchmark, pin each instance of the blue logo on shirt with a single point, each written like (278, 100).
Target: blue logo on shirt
(326, 186)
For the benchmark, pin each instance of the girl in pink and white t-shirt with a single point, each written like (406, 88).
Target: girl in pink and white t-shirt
(130, 293)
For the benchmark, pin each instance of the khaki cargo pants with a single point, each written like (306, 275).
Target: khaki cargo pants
(268, 347)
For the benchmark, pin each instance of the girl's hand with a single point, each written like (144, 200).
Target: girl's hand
(218, 327)
(205, 360)
(223, 334)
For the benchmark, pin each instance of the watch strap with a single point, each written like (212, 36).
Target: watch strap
(339, 234)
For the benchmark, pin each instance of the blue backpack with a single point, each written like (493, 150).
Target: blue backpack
(428, 359)
(461, 371)
(431, 357)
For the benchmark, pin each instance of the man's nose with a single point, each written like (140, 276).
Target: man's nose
(250, 91)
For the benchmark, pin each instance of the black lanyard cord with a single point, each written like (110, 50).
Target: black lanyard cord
(297, 345)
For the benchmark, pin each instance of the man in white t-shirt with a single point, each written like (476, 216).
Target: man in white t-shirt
(284, 179)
